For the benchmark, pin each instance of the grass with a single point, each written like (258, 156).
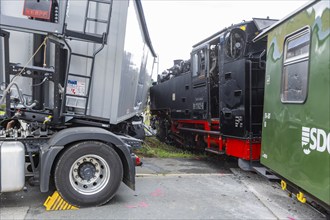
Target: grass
(152, 147)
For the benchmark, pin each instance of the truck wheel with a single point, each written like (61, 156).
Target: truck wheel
(88, 174)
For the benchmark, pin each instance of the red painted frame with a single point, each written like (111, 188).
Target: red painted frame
(235, 147)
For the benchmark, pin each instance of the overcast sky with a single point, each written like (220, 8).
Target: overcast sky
(176, 25)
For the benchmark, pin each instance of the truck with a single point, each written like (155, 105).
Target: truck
(74, 81)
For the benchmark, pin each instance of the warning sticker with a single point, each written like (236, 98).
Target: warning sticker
(76, 87)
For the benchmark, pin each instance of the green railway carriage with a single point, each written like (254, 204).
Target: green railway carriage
(296, 119)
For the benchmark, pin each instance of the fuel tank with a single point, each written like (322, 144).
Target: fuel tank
(12, 162)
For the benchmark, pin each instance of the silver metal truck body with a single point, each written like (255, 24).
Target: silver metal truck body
(122, 71)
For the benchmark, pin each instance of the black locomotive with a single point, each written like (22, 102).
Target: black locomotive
(215, 99)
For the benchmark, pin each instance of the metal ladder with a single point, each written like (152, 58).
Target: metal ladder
(88, 37)
(92, 37)
(107, 22)
(256, 105)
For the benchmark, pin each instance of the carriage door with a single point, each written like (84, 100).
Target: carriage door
(199, 84)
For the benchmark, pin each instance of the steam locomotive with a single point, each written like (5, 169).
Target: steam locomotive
(215, 99)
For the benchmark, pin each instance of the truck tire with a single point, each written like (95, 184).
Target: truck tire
(88, 174)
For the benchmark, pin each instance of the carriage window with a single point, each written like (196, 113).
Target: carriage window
(295, 68)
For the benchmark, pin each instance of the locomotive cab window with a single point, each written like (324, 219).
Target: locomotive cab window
(295, 67)
(199, 63)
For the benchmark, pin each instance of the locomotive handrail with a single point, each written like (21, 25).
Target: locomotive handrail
(200, 131)
(262, 61)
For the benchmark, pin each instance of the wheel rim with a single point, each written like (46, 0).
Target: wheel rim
(89, 174)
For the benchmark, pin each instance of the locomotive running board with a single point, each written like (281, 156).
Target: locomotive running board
(214, 151)
(263, 171)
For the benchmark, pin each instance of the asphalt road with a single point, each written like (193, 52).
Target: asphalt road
(176, 189)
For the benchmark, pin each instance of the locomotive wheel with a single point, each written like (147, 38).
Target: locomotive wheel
(88, 174)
